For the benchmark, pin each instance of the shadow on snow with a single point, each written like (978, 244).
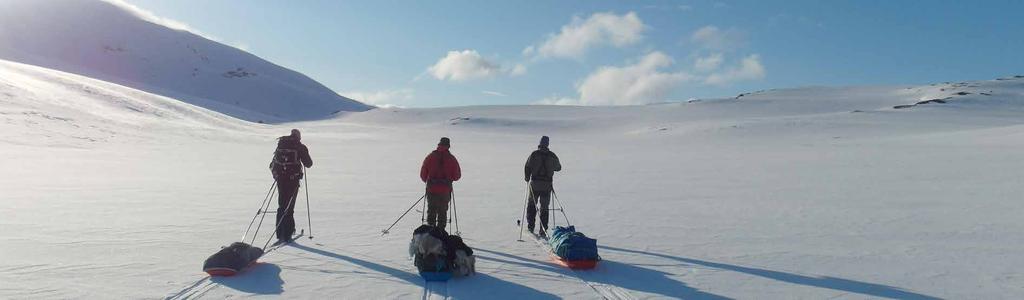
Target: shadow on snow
(472, 287)
(833, 283)
(483, 286)
(262, 278)
(396, 273)
(629, 277)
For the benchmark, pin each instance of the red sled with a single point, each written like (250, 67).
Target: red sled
(225, 271)
(221, 272)
(578, 264)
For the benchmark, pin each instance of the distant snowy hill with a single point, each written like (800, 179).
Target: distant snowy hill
(104, 41)
(44, 107)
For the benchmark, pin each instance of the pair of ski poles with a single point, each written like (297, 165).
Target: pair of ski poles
(455, 214)
(529, 196)
(265, 209)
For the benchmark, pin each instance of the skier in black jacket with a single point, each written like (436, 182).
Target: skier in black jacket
(540, 171)
(287, 167)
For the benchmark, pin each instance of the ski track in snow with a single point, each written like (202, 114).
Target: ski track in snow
(194, 291)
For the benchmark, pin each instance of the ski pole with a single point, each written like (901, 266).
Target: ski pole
(261, 209)
(264, 215)
(455, 214)
(386, 231)
(309, 219)
(525, 205)
(560, 207)
(280, 217)
(423, 211)
(554, 206)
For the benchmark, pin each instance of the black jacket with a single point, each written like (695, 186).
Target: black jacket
(542, 165)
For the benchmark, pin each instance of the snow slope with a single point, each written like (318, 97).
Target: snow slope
(107, 42)
(804, 193)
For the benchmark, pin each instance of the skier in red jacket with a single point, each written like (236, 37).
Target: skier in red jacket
(439, 170)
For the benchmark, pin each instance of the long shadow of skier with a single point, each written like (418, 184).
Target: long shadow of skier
(467, 287)
(262, 278)
(484, 254)
(827, 282)
(483, 286)
(633, 278)
(396, 273)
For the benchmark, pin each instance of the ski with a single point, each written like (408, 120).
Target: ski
(282, 243)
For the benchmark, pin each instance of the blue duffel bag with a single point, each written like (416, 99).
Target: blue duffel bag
(568, 244)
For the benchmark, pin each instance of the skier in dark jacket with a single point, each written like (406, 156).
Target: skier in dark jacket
(540, 171)
(287, 167)
(439, 170)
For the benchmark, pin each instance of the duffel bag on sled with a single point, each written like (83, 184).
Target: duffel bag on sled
(439, 256)
(573, 248)
(231, 259)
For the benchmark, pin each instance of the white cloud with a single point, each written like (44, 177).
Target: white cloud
(517, 70)
(640, 83)
(463, 65)
(493, 93)
(468, 65)
(749, 69)
(599, 29)
(711, 37)
(384, 98)
(554, 100)
(646, 81)
(709, 63)
(529, 50)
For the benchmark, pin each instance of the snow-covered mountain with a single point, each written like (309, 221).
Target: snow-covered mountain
(105, 41)
(49, 108)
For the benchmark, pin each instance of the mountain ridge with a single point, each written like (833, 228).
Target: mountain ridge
(102, 40)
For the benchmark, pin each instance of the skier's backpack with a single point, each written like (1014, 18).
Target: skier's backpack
(443, 180)
(286, 165)
(571, 245)
(542, 174)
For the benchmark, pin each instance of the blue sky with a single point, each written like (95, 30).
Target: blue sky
(447, 53)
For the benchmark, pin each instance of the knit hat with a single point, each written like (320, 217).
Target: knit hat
(445, 142)
(544, 141)
(296, 134)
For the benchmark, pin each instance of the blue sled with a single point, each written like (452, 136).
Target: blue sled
(436, 276)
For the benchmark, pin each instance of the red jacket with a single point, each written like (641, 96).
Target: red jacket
(439, 170)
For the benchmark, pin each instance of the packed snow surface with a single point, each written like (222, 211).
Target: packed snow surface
(102, 40)
(116, 193)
